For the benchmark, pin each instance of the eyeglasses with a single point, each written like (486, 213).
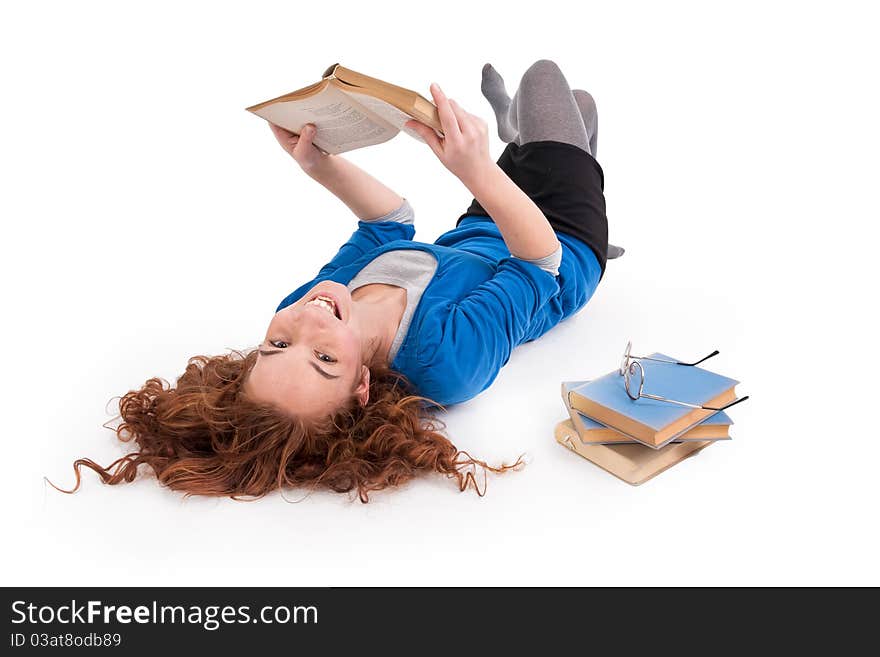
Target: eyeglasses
(634, 378)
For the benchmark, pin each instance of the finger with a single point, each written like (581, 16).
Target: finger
(447, 116)
(465, 120)
(305, 139)
(427, 133)
(480, 125)
(307, 132)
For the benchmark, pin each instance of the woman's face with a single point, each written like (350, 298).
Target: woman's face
(310, 362)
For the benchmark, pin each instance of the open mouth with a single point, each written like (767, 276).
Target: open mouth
(325, 302)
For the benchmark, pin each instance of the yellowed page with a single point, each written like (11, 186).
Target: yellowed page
(388, 112)
(342, 125)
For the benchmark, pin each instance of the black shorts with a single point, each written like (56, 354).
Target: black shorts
(566, 183)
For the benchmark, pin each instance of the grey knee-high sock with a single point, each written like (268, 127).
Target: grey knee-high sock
(495, 92)
(590, 116)
(543, 107)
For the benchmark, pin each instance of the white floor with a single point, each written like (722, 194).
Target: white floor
(149, 218)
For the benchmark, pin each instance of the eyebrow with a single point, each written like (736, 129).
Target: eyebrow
(326, 375)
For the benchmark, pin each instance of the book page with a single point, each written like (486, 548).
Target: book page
(341, 124)
(388, 112)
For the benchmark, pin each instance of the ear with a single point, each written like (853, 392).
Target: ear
(362, 391)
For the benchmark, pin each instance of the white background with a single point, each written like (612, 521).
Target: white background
(147, 218)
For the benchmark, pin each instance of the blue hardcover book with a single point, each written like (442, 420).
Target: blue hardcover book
(591, 432)
(652, 422)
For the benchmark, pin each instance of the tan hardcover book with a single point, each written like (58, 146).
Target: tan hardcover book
(350, 110)
(592, 432)
(634, 464)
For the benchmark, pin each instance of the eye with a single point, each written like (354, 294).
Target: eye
(325, 357)
(279, 344)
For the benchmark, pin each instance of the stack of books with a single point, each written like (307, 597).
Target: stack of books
(636, 440)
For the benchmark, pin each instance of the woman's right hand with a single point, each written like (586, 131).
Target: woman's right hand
(464, 148)
(300, 146)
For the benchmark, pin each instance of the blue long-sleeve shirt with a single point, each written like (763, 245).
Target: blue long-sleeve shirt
(481, 303)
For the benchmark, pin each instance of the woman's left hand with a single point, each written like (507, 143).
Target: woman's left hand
(300, 146)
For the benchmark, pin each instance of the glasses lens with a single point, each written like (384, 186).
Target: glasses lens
(634, 380)
(624, 362)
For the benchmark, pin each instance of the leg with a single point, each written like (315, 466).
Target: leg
(550, 131)
(565, 182)
(587, 107)
(548, 89)
(590, 116)
(546, 109)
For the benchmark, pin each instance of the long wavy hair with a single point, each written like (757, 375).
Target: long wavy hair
(205, 437)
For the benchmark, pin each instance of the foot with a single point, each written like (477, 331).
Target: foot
(494, 91)
(614, 252)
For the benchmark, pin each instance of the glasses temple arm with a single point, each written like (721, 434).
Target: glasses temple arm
(675, 362)
(656, 360)
(671, 401)
(714, 353)
(726, 406)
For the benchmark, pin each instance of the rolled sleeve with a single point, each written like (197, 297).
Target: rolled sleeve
(549, 263)
(404, 214)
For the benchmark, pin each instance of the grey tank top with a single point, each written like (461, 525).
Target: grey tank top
(411, 269)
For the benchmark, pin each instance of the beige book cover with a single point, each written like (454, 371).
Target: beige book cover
(350, 110)
(634, 464)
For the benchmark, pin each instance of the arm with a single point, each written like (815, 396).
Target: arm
(383, 215)
(525, 229)
(365, 196)
(464, 150)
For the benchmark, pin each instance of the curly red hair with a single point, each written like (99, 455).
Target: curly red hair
(205, 437)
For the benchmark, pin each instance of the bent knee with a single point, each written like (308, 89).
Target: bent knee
(541, 70)
(584, 100)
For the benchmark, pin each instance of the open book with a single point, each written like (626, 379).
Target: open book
(350, 110)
